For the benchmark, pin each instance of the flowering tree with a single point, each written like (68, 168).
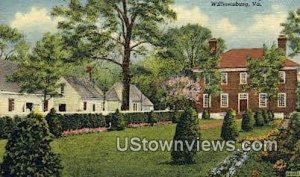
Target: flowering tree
(181, 92)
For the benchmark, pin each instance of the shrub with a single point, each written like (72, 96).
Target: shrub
(205, 115)
(175, 117)
(187, 130)
(259, 119)
(271, 115)
(28, 150)
(265, 115)
(229, 129)
(248, 121)
(7, 125)
(79, 121)
(54, 122)
(152, 118)
(117, 121)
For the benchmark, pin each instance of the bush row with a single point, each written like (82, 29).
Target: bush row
(259, 119)
(59, 123)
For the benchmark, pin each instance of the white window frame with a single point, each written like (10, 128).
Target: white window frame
(279, 101)
(260, 103)
(135, 107)
(283, 74)
(206, 105)
(226, 78)
(226, 101)
(243, 77)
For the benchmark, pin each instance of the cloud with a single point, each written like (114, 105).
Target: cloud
(269, 23)
(194, 15)
(35, 20)
(224, 25)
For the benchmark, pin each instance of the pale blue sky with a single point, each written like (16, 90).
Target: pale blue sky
(240, 26)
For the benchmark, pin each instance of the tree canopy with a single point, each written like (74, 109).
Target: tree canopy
(113, 30)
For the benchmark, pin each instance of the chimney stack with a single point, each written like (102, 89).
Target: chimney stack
(282, 41)
(89, 70)
(213, 44)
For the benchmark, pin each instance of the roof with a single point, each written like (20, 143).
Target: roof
(7, 68)
(237, 58)
(85, 88)
(115, 94)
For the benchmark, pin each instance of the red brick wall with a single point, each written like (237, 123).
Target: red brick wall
(233, 88)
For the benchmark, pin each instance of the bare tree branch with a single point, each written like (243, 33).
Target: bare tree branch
(107, 59)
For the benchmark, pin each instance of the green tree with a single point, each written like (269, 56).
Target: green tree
(42, 69)
(248, 121)
(292, 29)
(229, 129)
(12, 43)
(117, 121)
(28, 151)
(122, 32)
(264, 72)
(187, 131)
(259, 119)
(54, 122)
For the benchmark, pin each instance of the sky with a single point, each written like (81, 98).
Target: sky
(241, 27)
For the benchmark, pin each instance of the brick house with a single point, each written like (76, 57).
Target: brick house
(233, 66)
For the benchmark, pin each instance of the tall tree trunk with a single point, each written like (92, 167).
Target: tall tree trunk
(44, 101)
(126, 77)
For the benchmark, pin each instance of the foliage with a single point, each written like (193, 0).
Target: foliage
(12, 43)
(271, 115)
(28, 150)
(298, 97)
(187, 130)
(80, 121)
(41, 71)
(229, 128)
(182, 92)
(124, 29)
(152, 118)
(117, 121)
(265, 115)
(206, 114)
(148, 75)
(264, 72)
(8, 125)
(248, 121)
(291, 29)
(259, 119)
(54, 122)
(288, 144)
(175, 116)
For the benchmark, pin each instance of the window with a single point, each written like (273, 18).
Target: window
(62, 89)
(282, 100)
(85, 106)
(243, 96)
(243, 78)
(206, 101)
(282, 77)
(29, 106)
(62, 108)
(263, 100)
(206, 79)
(11, 105)
(224, 100)
(46, 105)
(134, 107)
(224, 78)
(94, 107)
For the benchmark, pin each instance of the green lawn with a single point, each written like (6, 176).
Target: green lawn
(96, 154)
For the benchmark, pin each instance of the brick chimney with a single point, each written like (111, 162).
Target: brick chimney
(89, 70)
(213, 44)
(282, 41)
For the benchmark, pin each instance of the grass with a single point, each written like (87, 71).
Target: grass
(96, 155)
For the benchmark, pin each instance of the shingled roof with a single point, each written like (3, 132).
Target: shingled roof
(237, 58)
(85, 88)
(115, 94)
(7, 68)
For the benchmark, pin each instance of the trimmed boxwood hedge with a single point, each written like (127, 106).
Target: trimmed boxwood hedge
(79, 121)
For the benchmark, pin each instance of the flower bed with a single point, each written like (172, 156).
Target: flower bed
(83, 131)
(230, 164)
(148, 124)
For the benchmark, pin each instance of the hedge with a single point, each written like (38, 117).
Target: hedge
(79, 121)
